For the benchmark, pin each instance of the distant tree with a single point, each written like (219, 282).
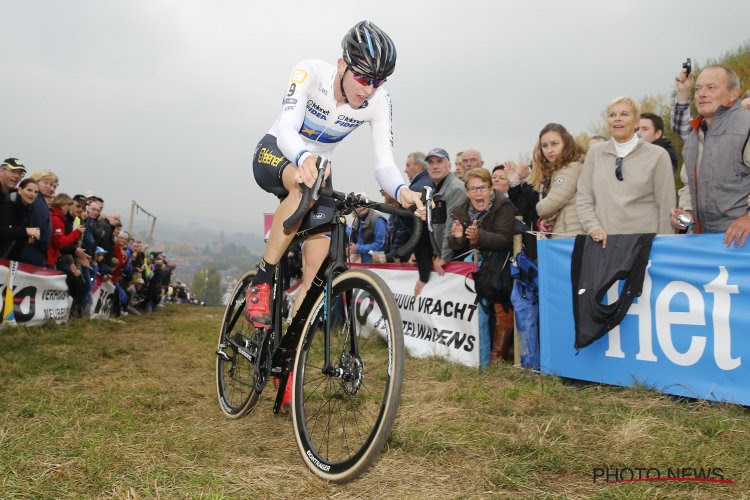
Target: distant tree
(207, 286)
(583, 139)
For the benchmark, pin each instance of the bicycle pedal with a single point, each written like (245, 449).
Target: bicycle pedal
(220, 353)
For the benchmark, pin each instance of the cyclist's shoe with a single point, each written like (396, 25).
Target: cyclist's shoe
(286, 401)
(258, 305)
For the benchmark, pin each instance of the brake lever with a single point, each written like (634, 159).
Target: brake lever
(319, 180)
(427, 193)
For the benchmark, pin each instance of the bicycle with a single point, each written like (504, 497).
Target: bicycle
(346, 384)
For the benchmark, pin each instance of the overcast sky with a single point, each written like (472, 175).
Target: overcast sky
(163, 101)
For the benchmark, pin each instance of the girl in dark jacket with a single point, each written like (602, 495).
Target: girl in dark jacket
(13, 229)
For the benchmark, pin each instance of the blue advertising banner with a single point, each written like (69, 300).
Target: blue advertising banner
(687, 334)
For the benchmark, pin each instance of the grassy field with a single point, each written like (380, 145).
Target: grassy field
(128, 409)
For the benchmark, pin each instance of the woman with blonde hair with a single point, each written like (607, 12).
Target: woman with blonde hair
(558, 160)
(48, 182)
(626, 185)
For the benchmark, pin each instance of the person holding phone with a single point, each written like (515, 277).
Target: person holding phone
(716, 152)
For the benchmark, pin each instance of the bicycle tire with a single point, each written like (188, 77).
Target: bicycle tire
(235, 375)
(364, 397)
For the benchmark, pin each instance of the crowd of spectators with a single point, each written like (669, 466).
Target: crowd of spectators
(51, 230)
(623, 184)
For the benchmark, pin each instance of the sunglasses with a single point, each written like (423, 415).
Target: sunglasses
(365, 80)
(618, 170)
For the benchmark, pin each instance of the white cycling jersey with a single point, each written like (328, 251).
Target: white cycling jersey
(311, 123)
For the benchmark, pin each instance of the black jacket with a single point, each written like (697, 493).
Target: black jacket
(37, 215)
(667, 144)
(12, 228)
(625, 258)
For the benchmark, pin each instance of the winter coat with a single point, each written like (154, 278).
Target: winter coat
(561, 201)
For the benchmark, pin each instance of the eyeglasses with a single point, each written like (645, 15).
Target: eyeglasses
(365, 80)
(478, 189)
(618, 170)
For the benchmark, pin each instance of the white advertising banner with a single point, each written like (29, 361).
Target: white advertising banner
(101, 298)
(441, 321)
(38, 295)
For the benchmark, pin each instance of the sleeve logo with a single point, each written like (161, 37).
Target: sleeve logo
(299, 76)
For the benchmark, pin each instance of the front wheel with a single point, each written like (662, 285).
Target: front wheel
(343, 416)
(236, 356)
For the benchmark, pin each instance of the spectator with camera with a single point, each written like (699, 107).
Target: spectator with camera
(558, 160)
(716, 154)
(626, 185)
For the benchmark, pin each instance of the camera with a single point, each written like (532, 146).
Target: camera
(685, 221)
(688, 65)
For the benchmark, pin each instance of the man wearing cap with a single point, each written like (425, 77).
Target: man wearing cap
(452, 191)
(11, 173)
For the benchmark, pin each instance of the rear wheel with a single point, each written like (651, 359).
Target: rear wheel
(237, 355)
(342, 418)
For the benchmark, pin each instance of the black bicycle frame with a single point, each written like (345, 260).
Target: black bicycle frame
(332, 265)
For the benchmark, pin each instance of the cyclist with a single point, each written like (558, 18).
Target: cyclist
(322, 105)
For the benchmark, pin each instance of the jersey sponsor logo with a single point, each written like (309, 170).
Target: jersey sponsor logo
(299, 76)
(323, 91)
(320, 133)
(345, 121)
(316, 110)
(266, 157)
(289, 100)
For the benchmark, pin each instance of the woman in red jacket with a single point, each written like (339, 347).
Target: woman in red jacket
(60, 239)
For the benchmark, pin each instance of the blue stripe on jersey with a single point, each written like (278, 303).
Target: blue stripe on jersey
(314, 132)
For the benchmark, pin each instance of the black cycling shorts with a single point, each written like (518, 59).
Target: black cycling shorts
(269, 164)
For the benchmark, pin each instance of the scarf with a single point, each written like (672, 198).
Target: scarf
(476, 215)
